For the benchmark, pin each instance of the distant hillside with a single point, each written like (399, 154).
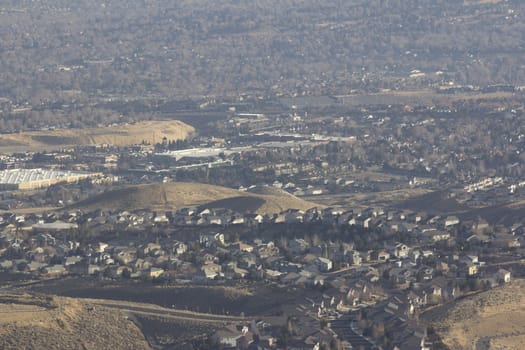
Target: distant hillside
(121, 135)
(169, 196)
(39, 322)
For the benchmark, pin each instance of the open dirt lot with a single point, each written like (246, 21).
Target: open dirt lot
(122, 135)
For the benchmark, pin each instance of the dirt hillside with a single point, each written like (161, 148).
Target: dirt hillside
(170, 196)
(492, 320)
(41, 322)
(121, 135)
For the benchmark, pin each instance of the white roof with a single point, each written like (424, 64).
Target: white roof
(18, 176)
(55, 226)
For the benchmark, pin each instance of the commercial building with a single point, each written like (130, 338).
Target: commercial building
(28, 179)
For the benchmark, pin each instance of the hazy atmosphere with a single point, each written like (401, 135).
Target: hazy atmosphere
(258, 175)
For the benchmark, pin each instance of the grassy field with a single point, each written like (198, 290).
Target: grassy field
(121, 135)
(491, 320)
(170, 196)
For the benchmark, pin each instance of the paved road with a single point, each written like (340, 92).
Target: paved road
(345, 330)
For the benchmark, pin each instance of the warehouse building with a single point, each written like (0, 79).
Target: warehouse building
(29, 179)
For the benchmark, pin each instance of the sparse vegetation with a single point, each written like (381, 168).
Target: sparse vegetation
(489, 320)
(41, 322)
(122, 135)
(176, 195)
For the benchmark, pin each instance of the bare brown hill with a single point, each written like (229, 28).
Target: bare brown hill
(121, 135)
(176, 195)
(42, 322)
(490, 320)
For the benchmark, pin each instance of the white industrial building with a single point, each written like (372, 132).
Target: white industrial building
(195, 153)
(26, 179)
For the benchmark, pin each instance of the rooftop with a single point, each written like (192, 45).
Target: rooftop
(18, 176)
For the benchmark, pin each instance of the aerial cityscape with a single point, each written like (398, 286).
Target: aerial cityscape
(257, 175)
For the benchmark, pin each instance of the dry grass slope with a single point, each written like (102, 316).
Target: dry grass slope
(170, 196)
(492, 320)
(122, 135)
(37, 322)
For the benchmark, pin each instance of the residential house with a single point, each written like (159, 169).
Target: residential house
(324, 264)
(93, 269)
(417, 298)
(451, 221)
(55, 270)
(401, 250)
(34, 266)
(267, 250)
(230, 336)
(400, 276)
(298, 246)
(211, 271)
(240, 246)
(214, 220)
(161, 218)
(233, 272)
(126, 255)
(100, 247)
(155, 272)
(383, 256)
(141, 264)
(6, 264)
(503, 275)
(472, 269)
(72, 260)
(255, 219)
(180, 248)
(272, 274)
(237, 220)
(470, 259)
(246, 260)
(504, 240)
(294, 216)
(208, 240)
(356, 221)
(355, 258)
(442, 266)
(150, 248)
(207, 258)
(435, 235)
(439, 289)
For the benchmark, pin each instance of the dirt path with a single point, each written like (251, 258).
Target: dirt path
(154, 310)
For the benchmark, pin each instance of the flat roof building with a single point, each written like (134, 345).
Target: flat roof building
(27, 179)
